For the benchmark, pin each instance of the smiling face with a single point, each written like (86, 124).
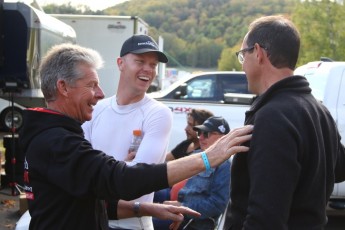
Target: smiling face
(138, 71)
(82, 95)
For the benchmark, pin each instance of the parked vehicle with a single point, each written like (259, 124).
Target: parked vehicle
(222, 92)
(327, 80)
(6, 118)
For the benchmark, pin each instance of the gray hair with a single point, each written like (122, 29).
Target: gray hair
(62, 63)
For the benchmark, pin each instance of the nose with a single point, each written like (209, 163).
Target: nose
(99, 93)
(149, 68)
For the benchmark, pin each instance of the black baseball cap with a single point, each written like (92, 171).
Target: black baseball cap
(138, 44)
(214, 124)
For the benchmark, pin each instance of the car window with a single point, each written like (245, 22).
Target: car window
(234, 83)
(201, 88)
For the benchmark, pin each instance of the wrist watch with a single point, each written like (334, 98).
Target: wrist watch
(136, 208)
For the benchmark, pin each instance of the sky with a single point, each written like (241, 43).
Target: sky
(93, 4)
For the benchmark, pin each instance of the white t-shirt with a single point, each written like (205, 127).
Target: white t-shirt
(111, 130)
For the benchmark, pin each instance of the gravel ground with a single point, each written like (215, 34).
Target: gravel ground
(9, 204)
(9, 209)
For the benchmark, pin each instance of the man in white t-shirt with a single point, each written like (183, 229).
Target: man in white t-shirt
(115, 118)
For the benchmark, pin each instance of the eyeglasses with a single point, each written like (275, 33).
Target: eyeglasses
(205, 134)
(240, 54)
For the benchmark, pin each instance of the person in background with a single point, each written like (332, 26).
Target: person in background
(186, 147)
(287, 177)
(115, 118)
(207, 192)
(66, 179)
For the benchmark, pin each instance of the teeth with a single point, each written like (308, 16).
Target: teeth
(144, 78)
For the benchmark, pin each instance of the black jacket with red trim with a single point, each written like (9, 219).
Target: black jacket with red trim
(66, 180)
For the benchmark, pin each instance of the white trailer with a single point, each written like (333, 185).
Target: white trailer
(105, 34)
(26, 34)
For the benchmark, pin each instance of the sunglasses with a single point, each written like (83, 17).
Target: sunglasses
(205, 133)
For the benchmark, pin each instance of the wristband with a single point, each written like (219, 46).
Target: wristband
(136, 208)
(206, 162)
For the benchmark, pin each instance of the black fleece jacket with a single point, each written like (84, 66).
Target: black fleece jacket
(295, 156)
(66, 180)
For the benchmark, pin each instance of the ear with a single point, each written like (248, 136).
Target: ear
(120, 63)
(62, 88)
(260, 54)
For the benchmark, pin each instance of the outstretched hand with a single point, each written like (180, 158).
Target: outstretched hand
(171, 212)
(229, 144)
(217, 153)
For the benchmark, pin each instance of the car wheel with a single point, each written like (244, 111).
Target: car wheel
(6, 118)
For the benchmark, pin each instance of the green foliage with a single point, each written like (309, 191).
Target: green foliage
(322, 29)
(228, 60)
(206, 27)
(69, 9)
(207, 33)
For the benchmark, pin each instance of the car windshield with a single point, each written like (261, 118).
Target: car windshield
(176, 84)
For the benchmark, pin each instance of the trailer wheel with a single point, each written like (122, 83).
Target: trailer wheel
(6, 118)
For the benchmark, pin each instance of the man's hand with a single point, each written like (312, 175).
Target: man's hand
(217, 153)
(130, 156)
(229, 145)
(172, 202)
(168, 212)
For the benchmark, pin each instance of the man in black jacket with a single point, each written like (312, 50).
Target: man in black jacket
(66, 180)
(295, 156)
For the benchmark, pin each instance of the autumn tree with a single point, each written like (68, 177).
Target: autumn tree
(228, 60)
(322, 30)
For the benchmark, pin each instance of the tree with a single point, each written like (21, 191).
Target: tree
(207, 27)
(228, 60)
(322, 30)
(69, 9)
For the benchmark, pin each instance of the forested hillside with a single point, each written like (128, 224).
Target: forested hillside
(207, 33)
(196, 31)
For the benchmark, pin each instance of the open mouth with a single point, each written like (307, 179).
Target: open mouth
(92, 105)
(144, 78)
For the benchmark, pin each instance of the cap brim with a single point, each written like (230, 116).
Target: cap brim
(161, 56)
(202, 128)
